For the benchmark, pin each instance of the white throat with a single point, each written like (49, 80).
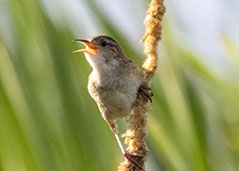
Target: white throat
(102, 69)
(94, 60)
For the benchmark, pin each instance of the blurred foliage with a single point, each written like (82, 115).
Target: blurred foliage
(49, 122)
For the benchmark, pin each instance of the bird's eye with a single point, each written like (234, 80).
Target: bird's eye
(103, 43)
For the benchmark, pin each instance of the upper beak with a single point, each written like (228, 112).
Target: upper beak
(90, 47)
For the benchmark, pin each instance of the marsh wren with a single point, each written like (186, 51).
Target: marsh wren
(115, 82)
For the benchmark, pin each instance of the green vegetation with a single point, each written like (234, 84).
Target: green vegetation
(49, 122)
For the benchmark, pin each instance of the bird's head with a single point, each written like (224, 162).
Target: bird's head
(100, 49)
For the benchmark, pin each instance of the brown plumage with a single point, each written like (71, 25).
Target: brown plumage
(115, 82)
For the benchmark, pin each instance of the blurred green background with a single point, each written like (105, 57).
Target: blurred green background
(49, 122)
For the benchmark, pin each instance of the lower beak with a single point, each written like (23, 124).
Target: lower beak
(90, 47)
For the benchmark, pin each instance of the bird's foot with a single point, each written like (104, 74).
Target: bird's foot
(145, 92)
(131, 156)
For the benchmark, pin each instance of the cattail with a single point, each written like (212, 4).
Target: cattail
(135, 136)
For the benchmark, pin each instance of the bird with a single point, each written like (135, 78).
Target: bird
(115, 82)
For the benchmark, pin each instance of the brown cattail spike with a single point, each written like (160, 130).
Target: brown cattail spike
(135, 136)
(153, 26)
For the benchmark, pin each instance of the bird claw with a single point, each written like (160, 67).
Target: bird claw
(145, 92)
(135, 155)
(130, 157)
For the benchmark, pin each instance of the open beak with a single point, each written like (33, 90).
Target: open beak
(90, 47)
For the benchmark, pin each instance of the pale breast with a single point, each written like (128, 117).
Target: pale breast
(117, 95)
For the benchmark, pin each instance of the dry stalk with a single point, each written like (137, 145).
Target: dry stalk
(135, 136)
